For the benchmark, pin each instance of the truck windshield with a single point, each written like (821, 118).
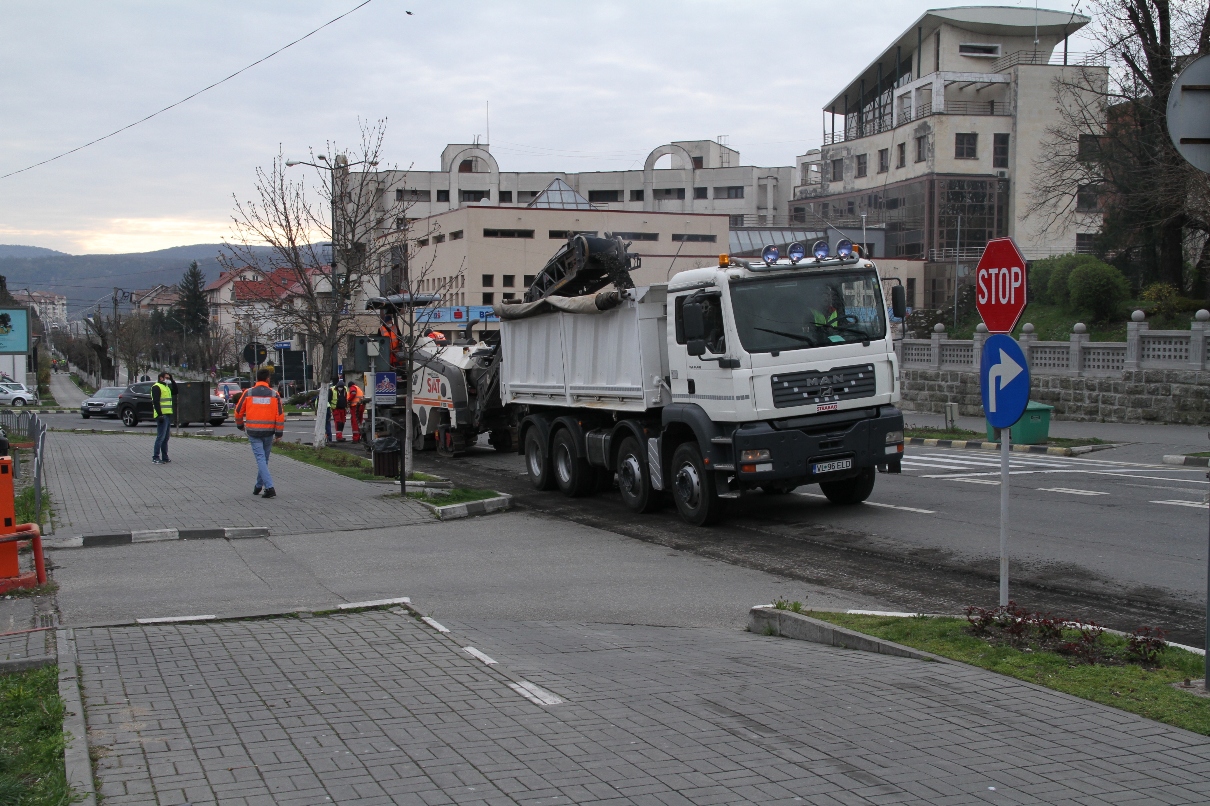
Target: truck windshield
(808, 310)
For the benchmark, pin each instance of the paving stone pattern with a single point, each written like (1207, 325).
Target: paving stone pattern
(106, 483)
(374, 708)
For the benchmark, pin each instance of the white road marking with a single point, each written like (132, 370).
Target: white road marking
(966, 479)
(1070, 491)
(535, 694)
(375, 603)
(876, 504)
(1195, 504)
(174, 619)
(434, 624)
(474, 653)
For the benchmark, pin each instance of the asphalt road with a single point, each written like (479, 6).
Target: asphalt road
(1120, 542)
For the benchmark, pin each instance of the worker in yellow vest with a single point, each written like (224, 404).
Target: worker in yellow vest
(163, 395)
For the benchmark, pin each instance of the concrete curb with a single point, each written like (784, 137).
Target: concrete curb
(75, 755)
(155, 536)
(765, 619)
(471, 508)
(25, 664)
(1195, 461)
(974, 444)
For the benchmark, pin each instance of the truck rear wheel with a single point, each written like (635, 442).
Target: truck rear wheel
(537, 463)
(573, 475)
(634, 481)
(850, 491)
(693, 487)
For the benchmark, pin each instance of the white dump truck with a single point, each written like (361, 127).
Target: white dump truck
(766, 374)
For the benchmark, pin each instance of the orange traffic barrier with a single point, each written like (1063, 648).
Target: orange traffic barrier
(15, 581)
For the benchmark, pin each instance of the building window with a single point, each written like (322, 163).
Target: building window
(489, 281)
(399, 194)
(506, 197)
(489, 298)
(884, 160)
(1085, 242)
(694, 238)
(698, 162)
(999, 150)
(604, 196)
(637, 236)
(475, 195)
(1087, 198)
(527, 195)
(443, 195)
(700, 193)
(508, 233)
(735, 220)
(509, 281)
(422, 242)
(922, 148)
(669, 193)
(837, 170)
(979, 51)
(966, 146)
(636, 195)
(901, 155)
(862, 164)
(911, 292)
(508, 295)
(438, 239)
(412, 194)
(1089, 148)
(456, 235)
(564, 234)
(528, 279)
(731, 192)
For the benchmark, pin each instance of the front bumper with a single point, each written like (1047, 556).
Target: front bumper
(856, 438)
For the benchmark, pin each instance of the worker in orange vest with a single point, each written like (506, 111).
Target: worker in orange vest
(357, 407)
(340, 408)
(391, 333)
(259, 414)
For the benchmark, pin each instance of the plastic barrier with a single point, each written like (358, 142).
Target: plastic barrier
(11, 543)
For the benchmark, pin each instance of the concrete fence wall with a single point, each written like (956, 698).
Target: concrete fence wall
(1154, 376)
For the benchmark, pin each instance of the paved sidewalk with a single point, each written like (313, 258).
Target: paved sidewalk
(377, 708)
(65, 391)
(105, 483)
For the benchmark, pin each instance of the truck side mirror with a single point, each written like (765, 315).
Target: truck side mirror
(898, 301)
(695, 328)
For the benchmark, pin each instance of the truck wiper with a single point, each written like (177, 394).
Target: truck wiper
(804, 339)
(844, 329)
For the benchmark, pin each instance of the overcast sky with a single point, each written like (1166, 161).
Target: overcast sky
(573, 86)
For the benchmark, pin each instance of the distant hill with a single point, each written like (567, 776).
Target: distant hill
(13, 250)
(85, 278)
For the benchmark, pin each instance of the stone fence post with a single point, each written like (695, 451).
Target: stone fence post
(980, 337)
(1197, 339)
(1075, 361)
(1026, 340)
(937, 337)
(1134, 342)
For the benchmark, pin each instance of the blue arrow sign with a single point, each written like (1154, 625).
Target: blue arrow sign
(1004, 380)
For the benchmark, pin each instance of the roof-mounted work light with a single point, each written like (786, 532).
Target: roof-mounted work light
(770, 254)
(796, 252)
(844, 248)
(820, 249)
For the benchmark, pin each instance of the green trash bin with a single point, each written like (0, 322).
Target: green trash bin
(1032, 429)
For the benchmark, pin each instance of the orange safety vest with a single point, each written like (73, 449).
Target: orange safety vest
(260, 411)
(354, 396)
(387, 331)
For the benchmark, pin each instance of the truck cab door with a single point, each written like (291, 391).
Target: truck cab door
(709, 372)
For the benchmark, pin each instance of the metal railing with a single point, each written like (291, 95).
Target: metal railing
(1074, 59)
(27, 426)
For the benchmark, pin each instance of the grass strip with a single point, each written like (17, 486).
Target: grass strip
(31, 739)
(337, 461)
(458, 495)
(24, 504)
(1140, 690)
(85, 388)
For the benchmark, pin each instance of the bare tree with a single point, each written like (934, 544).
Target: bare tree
(1111, 148)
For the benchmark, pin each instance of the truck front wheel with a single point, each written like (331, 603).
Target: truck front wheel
(850, 491)
(574, 476)
(693, 487)
(634, 481)
(537, 462)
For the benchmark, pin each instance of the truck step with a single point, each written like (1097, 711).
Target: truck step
(727, 468)
(721, 440)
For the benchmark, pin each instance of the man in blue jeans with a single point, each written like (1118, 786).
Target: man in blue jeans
(163, 394)
(260, 415)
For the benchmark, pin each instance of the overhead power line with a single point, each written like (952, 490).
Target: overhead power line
(190, 97)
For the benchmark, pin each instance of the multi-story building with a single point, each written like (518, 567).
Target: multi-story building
(51, 307)
(934, 145)
(160, 298)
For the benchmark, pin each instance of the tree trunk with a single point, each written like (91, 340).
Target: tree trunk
(1172, 255)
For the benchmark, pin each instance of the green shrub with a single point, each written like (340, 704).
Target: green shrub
(1098, 288)
(1165, 298)
(1039, 279)
(1058, 289)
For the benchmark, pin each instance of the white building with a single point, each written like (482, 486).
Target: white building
(51, 307)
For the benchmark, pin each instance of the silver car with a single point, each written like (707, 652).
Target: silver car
(103, 404)
(16, 394)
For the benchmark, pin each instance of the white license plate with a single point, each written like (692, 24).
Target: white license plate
(831, 467)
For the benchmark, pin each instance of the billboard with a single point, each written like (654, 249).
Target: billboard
(14, 331)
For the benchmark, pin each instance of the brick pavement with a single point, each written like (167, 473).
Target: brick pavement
(101, 483)
(375, 708)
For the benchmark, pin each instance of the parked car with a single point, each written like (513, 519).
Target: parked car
(229, 391)
(134, 406)
(102, 404)
(16, 394)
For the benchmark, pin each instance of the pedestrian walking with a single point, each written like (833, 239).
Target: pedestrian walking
(260, 415)
(340, 408)
(163, 395)
(357, 405)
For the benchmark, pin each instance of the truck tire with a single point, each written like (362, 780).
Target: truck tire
(634, 480)
(419, 440)
(693, 487)
(537, 463)
(850, 491)
(573, 475)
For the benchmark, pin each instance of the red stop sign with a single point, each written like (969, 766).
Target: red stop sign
(1000, 285)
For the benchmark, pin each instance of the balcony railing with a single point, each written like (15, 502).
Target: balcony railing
(1055, 59)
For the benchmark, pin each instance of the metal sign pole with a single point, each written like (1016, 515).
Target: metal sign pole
(1005, 448)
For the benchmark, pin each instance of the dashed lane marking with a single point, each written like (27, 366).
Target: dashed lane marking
(474, 653)
(1195, 504)
(535, 694)
(1070, 491)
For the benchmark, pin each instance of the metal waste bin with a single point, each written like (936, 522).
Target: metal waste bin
(1032, 429)
(386, 457)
